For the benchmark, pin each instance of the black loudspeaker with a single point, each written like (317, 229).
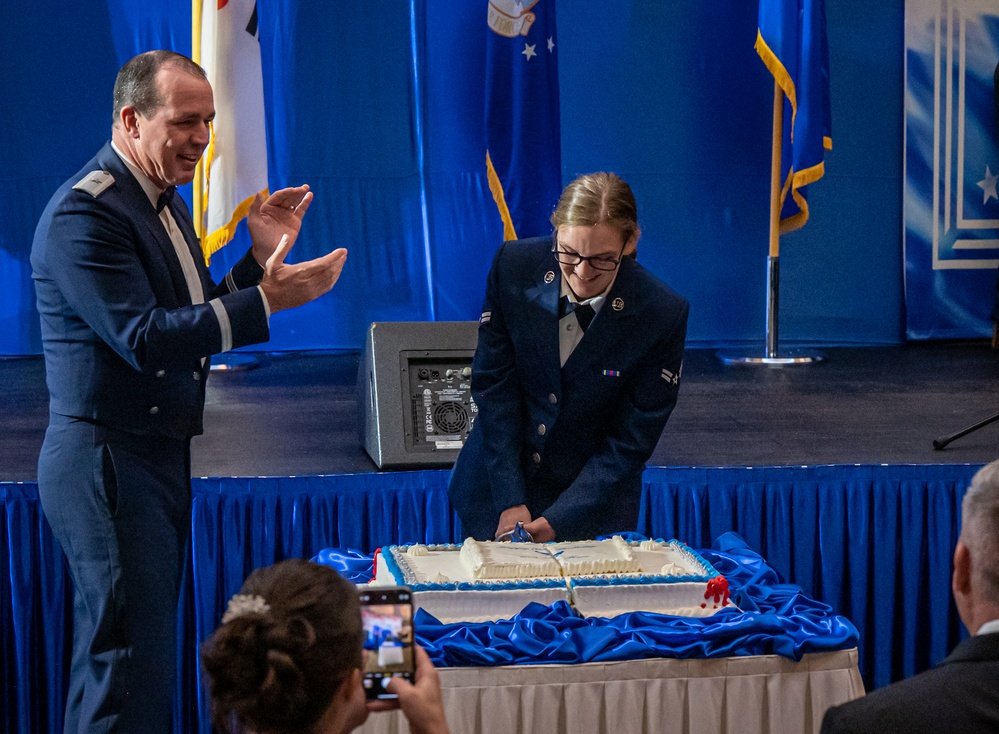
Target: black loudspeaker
(415, 392)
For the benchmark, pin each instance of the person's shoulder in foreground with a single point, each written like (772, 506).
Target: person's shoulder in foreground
(962, 693)
(959, 695)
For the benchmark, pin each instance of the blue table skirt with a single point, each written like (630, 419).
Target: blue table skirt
(873, 542)
(772, 618)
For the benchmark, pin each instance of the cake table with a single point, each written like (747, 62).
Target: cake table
(775, 664)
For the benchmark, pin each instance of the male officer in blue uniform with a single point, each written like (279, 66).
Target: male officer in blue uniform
(575, 375)
(129, 318)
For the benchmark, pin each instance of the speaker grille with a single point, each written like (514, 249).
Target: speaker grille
(451, 418)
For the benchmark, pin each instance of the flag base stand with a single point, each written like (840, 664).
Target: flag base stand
(771, 356)
(790, 357)
(234, 362)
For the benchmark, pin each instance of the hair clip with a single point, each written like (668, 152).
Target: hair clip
(242, 604)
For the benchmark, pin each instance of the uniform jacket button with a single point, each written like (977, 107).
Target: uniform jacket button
(541, 429)
(552, 399)
(160, 373)
(536, 457)
(154, 410)
(197, 376)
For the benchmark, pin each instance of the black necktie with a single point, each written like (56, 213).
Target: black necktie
(165, 198)
(584, 311)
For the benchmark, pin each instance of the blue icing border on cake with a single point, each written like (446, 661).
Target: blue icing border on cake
(553, 583)
(392, 566)
(635, 580)
(712, 571)
(398, 575)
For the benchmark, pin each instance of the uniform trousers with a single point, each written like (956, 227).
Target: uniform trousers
(119, 504)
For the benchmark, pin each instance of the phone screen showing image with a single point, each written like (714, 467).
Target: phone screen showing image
(387, 617)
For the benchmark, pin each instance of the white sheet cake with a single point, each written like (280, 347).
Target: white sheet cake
(481, 581)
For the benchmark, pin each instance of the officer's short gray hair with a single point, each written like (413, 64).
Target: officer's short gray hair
(136, 86)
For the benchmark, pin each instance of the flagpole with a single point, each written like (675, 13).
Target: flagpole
(773, 258)
(772, 356)
(199, 170)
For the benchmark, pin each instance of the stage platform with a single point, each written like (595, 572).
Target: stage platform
(826, 470)
(297, 413)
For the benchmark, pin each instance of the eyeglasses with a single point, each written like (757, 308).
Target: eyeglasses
(598, 262)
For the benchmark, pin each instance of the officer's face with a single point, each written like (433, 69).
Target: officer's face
(171, 140)
(600, 241)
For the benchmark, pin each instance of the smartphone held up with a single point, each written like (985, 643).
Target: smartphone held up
(387, 616)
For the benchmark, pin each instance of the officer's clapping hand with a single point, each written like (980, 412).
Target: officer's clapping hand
(272, 216)
(290, 285)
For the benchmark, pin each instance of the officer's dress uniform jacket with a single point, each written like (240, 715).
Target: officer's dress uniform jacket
(126, 351)
(120, 334)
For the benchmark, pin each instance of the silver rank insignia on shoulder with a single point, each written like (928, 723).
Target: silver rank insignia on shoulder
(549, 276)
(94, 183)
(618, 304)
(486, 317)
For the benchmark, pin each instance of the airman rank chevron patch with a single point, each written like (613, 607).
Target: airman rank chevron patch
(486, 317)
(670, 377)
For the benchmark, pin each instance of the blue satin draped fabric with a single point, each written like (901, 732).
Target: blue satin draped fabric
(353, 565)
(773, 618)
(873, 542)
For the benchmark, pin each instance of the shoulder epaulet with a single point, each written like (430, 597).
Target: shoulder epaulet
(94, 183)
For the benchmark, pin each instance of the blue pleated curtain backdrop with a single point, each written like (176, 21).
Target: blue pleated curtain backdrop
(874, 542)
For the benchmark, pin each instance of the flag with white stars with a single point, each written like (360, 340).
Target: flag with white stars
(951, 195)
(791, 41)
(523, 142)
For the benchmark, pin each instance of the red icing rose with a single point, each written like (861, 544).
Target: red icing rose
(717, 588)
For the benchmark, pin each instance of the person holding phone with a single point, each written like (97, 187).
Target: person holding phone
(575, 374)
(288, 657)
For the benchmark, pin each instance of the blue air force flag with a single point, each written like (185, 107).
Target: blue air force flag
(523, 144)
(791, 41)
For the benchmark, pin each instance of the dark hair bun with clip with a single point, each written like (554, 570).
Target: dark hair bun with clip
(277, 670)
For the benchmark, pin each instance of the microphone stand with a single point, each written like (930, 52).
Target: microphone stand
(939, 443)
